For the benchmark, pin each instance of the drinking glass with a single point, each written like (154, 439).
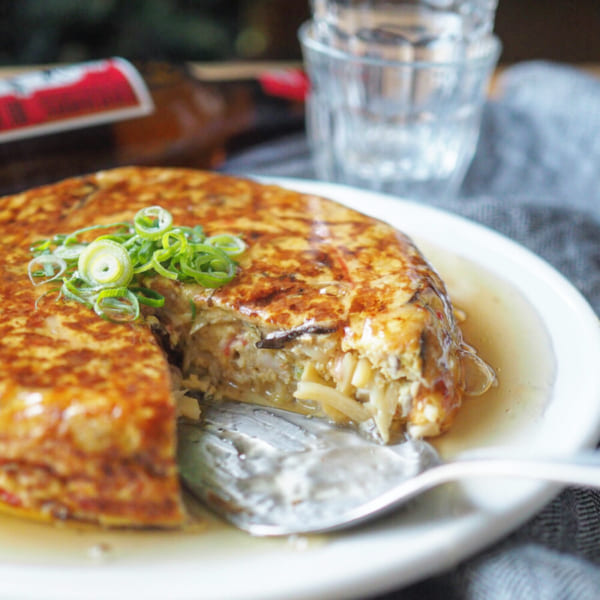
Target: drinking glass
(393, 114)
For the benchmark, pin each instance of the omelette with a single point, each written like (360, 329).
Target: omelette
(330, 313)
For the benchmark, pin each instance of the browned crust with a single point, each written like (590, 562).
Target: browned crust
(87, 426)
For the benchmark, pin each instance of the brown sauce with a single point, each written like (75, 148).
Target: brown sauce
(509, 335)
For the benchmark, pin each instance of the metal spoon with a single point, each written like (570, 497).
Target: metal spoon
(271, 472)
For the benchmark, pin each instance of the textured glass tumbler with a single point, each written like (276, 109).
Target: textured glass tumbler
(404, 127)
(394, 28)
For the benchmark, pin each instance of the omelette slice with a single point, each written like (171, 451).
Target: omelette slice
(331, 313)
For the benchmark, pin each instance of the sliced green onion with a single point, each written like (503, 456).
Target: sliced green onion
(120, 238)
(104, 274)
(148, 297)
(40, 246)
(117, 304)
(78, 290)
(158, 258)
(141, 252)
(151, 222)
(45, 268)
(105, 263)
(230, 244)
(145, 267)
(194, 235)
(175, 241)
(70, 252)
(210, 267)
(214, 279)
(72, 238)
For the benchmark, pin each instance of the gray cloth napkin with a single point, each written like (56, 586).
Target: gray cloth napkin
(535, 179)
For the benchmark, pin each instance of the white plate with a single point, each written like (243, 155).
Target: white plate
(548, 401)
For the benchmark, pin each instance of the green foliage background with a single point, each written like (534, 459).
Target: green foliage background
(40, 31)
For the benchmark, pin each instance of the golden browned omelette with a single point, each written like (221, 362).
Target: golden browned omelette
(331, 313)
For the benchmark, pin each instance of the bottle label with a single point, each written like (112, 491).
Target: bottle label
(74, 96)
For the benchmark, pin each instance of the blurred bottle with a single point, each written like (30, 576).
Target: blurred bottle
(81, 118)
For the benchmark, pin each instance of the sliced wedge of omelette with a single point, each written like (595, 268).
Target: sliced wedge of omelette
(330, 313)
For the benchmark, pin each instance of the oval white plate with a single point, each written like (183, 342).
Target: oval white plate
(436, 532)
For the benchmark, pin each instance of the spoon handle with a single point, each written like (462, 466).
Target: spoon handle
(581, 469)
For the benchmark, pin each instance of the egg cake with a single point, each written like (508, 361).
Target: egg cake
(330, 313)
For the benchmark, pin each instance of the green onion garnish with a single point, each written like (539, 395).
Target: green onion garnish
(104, 274)
(46, 267)
(105, 263)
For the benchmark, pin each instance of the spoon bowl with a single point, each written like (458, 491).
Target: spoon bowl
(271, 472)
